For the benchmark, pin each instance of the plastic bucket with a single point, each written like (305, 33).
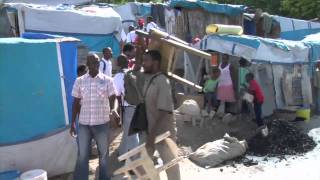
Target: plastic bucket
(10, 175)
(36, 174)
(304, 113)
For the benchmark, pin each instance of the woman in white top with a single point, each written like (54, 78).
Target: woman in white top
(226, 91)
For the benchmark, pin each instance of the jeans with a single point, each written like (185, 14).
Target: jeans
(85, 134)
(211, 101)
(258, 113)
(128, 142)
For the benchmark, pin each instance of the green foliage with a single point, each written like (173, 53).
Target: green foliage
(305, 9)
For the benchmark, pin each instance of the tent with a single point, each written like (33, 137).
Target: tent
(96, 27)
(282, 67)
(35, 100)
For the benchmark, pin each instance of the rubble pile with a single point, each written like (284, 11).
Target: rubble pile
(283, 139)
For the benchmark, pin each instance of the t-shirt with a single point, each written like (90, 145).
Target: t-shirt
(242, 78)
(159, 98)
(118, 80)
(210, 85)
(256, 91)
(151, 25)
(131, 37)
(106, 67)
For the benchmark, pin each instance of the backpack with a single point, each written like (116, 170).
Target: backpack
(132, 86)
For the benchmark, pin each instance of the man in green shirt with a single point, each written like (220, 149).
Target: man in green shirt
(209, 90)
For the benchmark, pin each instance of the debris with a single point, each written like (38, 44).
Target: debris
(283, 139)
(221, 170)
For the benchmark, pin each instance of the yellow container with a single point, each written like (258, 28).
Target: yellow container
(304, 113)
(224, 29)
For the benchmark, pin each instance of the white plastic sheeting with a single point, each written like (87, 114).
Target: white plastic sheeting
(55, 153)
(51, 2)
(87, 20)
(297, 51)
(289, 24)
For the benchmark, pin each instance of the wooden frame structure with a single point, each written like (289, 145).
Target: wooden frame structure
(167, 45)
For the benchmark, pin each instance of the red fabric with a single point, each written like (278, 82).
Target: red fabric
(131, 64)
(256, 91)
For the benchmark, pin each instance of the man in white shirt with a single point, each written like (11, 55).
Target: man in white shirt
(127, 142)
(106, 63)
(131, 36)
(151, 24)
(94, 90)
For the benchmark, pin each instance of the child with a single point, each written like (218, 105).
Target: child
(256, 91)
(243, 71)
(242, 83)
(210, 88)
(81, 70)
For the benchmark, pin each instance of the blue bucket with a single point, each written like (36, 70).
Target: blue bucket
(9, 175)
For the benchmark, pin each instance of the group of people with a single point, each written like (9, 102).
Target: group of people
(131, 36)
(220, 88)
(98, 95)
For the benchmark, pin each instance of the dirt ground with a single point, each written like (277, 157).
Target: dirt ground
(190, 138)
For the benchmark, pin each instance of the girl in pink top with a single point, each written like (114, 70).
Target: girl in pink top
(225, 86)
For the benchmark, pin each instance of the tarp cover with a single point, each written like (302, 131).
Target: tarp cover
(228, 9)
(50, 2)
(97, 27)
(313, 41)
(31, 101)
(257, 48)
(68, 51)
(65, 19)
(296, 29)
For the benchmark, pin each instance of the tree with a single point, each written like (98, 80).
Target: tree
(305, 9)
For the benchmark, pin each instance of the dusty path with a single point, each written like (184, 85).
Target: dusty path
(294, 167)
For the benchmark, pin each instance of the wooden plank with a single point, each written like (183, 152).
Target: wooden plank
(184, 81)
(139, 148)
(155, 33)
(186, 48)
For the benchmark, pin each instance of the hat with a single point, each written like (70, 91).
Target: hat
(141, 22)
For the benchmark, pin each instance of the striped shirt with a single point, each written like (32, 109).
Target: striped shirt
(94, 94)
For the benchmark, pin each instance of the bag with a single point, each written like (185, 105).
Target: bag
(214, 153)
(132, 92)
(139, 122)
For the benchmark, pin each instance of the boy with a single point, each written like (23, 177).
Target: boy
(255, 89)
(209, 90)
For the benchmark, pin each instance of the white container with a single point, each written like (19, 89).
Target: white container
(36, 174)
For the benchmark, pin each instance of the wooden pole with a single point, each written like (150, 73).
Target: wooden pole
(184, 81)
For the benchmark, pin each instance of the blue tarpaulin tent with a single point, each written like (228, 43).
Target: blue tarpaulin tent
(228, 9)
(35, 90)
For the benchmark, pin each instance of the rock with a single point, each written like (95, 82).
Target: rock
(283, 139)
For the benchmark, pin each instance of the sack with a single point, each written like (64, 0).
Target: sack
(189, 107)
(139, 121)
(214, 153)
(132, 92)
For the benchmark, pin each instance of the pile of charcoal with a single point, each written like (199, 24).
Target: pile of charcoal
(283, 139)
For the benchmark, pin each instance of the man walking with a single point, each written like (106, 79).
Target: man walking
(128, 142)
(159, 107)
(94, 90)
(106, 62)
